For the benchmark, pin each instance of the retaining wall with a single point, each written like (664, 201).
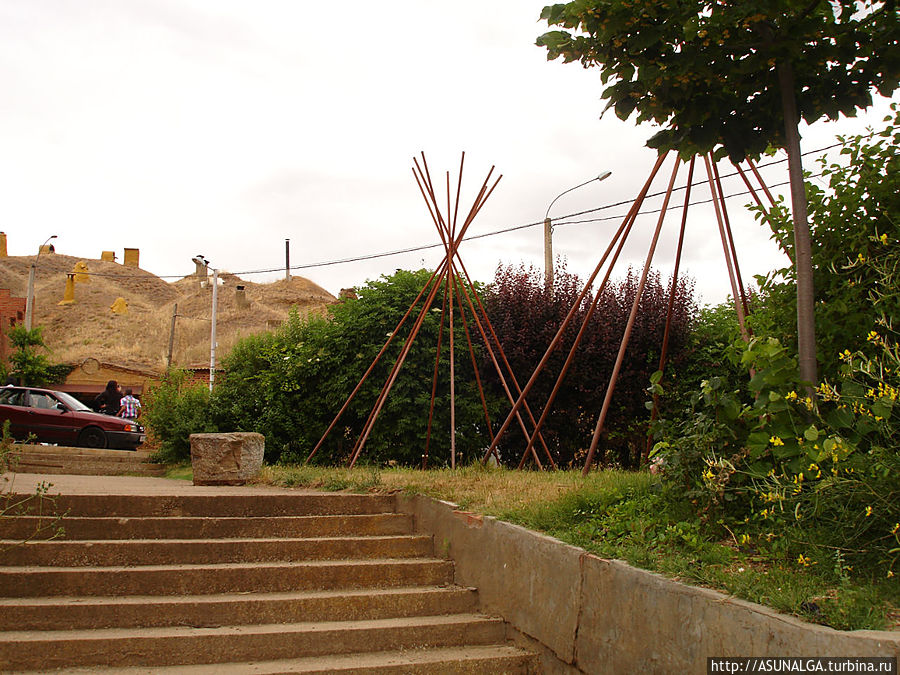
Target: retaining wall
(590, 615)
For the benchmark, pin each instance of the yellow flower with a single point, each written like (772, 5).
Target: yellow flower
(775, 440)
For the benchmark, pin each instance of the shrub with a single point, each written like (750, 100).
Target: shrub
(852, 225)
(812, 473)
(291, 384)
(29, 365)
(174, 409)
(527, 315)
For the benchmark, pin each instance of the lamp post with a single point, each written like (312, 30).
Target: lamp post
(548, 228)
(29, 297)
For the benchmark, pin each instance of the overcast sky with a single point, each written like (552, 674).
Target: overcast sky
(224, 127)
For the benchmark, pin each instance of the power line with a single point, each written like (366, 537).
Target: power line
(562, 220)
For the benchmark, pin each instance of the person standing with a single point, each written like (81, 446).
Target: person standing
(129, 406)
(109, 400)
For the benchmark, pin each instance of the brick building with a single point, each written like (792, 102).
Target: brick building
(12, 313)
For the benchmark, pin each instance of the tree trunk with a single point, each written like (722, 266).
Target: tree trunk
(806, 322)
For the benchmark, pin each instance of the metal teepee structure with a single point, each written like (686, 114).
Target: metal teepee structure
(608, 261)
(462, 303)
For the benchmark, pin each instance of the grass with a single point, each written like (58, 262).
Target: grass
(625, 516)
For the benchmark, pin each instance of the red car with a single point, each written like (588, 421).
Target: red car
(56, 417)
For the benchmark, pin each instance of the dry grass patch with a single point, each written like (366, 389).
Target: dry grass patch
(139, 339)
(490, 491)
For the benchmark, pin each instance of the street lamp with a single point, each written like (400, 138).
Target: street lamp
(200, 260)
(29, 297)
(548, 229)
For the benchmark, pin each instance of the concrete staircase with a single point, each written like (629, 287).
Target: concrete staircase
(271, 583)
(59, 459)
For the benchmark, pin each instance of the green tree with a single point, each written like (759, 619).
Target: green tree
(29, 365)
(736, 77)
(855, 236)
(289, 385)
(174, 409)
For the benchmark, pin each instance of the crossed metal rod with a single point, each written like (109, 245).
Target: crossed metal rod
(457, 286)
(620, 237)
(452, 276)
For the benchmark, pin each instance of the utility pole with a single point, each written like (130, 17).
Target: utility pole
(548, 252)
(172, 336)
(548, 229)
(212, 338)
(29, 296)
(287, 259)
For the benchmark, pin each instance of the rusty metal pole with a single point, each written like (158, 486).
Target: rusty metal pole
(623, 346)
(730, 236)
(480, 200)
(731, 277)
(670, 309)
(767, 212)
(512, 375)
(371, 367)
(434, 381)
(556, 340)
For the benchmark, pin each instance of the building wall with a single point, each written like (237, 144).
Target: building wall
(12, 313)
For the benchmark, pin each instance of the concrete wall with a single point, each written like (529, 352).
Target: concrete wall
(590, 615)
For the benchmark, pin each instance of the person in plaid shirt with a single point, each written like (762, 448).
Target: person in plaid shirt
(130, 406)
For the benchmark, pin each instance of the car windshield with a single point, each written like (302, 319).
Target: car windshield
(71, 401)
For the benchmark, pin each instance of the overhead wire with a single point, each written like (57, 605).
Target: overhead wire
(562, 220)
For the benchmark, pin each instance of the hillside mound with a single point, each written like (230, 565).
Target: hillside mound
(140, 338)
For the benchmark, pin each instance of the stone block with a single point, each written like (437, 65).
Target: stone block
(226, 459)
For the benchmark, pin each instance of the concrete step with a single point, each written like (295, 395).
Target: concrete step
(108, 553)
(208, 611)
(22, 582)
(150, 647)
(60, 465)
(236, 582)
(467, 660)
(92, 528)
(216, 505)
(57, 459)
(38, 449)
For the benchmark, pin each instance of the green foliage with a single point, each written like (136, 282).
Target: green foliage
(856, 248)
(811, 474)
(173, 410)
(527, 315)
(29, 365)
(708, 72)
(289, 385)
(780, 464)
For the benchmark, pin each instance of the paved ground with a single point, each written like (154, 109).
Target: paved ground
(26, 483)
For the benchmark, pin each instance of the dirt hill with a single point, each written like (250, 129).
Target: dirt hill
(139, 339)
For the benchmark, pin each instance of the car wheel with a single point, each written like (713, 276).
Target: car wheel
(92, 437)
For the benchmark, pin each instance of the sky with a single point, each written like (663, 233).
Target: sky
(225, 127)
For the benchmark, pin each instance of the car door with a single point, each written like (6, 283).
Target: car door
(14, 407)
(48, 419)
